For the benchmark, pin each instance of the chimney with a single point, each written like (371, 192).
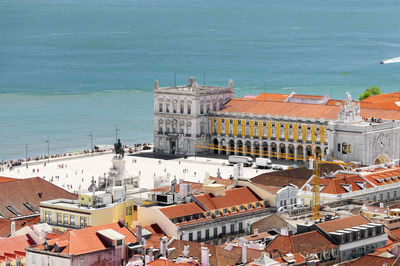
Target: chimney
(284, 231)
(139, 234)
(186, 250)
(149, 257)
(255, 232)
(12, 227)
(205, 258)
(162, 246)
(244, 253)
(164, 239)
(381, 205)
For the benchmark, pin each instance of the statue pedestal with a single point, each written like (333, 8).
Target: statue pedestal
(118, 165)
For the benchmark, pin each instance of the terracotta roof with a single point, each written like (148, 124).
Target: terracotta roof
(343, 223)
(87, 240)
(5, 225)
(251, 253)
(338, 183)
(372, 260)
(219, 256)
(268, 223)
(296, 176)
(271, 97)
(15, 244)
(382, 101)
(233, 197)
(181, 210)
(383, 176)
(303, 110)
(222, 181)
(305, 243)
(165, 262)
(6, 179)
(33, 190)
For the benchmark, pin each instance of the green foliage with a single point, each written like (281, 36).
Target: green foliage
(373, 90)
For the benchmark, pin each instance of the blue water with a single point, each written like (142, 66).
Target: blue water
(68, 67)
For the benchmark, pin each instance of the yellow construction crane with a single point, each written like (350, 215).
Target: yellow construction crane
(312, 162)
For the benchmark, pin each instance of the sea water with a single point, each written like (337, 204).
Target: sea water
(72, 67)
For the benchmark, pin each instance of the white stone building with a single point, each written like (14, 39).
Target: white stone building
(181, 115)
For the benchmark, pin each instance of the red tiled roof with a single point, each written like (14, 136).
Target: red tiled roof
(233, 197)
(196, 187)
(271, 97)
(86, 240)
(181, 210)
(304, 243)
(33, 190)
(15, 243)
(335, 185)
(372, 260)
(343, 223)
(6, 179)
(329, 112)
(165, 262)
(251, 253)
(5, 225)
(382, 101)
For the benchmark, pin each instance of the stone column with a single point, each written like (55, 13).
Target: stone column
(295, 153)
(262, 151)
(235, 147)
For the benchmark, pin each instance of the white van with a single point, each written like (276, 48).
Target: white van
(263, 163)
(246, 161)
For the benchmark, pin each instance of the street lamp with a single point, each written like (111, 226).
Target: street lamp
(48, 149)
(91, 141)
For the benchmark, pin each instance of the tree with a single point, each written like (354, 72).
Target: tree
(373, 90)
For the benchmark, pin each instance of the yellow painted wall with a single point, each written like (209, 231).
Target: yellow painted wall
(212, 125)
(260, 129)
(295, 132)
(313, 134)
(251, 129)
(286, 131)
(322, 130)
(235, 128)
(269, 130)
(243, 128)
(227, 127)
(304, 132)
(277, 130)
(219, 126)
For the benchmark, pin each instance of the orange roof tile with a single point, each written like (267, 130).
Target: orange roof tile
(181, 210)
(372, 260)
(343, 223)
(5, 225)
(15, 243)
(304, 243)
(382, 101)
(86, 240)
(6, 179)
(329, 112)
(165, 262)
(271, 97)
(233, 197)
(335, 185)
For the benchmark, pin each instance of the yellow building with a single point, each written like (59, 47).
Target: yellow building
(93, 209)
(271, 129)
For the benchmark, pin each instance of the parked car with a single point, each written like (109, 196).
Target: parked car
(263, 163)
(16, 163)
(277, 167)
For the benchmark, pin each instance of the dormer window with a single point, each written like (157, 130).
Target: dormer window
(257, 204)
(225, 210)
(216, 212)
(347, 187)
(207, 214)
(241, 208)
(361, 185)
(233, 209)
(249, 206)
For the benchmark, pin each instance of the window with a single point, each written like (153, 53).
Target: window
(198, 235)
(388, 195)
(189, 109)
(72, 220)
(233, 209)
(232, 228)
(207, 233)
(249, 206)
(207, 214)
(225, 210)
(119, 242)
(241, 207)
(181, 108)
(240, 226)
(65, 218)
(395, 194)
(190, 236)
(284, 202)
(257, 205)
(47, 215)
(59, 218)
(201, 109)
(160, 107)
(83, 221)
(239, 122)
(338, 147)
(215, 232)
(216, 212)
(224, 230)
(167, 107)
(381, 197)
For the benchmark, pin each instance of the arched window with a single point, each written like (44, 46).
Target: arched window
(208, 106)
(160, 125)
(174, 126)
(182, 107)
(167, 105)
(220, 104)
(189, 128)
(181, 127)
(160, 105)
(175, 105)
(201, 107)
(167, 126)
(202, 127)
(189, 107)
(214, 105)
